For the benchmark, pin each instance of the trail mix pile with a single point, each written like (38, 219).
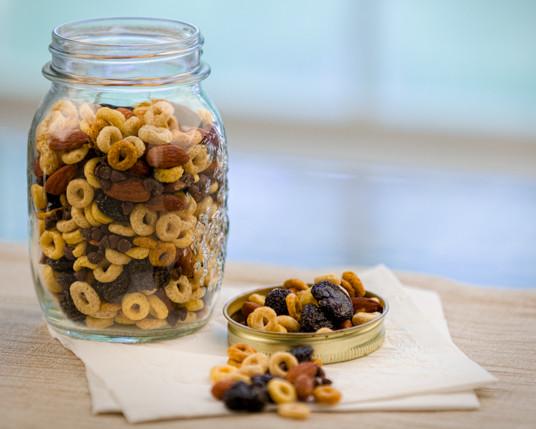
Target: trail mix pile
(330, 303)
(251, 380)
(130, 209)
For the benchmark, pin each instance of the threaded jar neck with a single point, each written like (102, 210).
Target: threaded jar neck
(126, 52)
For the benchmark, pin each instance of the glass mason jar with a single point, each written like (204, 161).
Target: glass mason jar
(127, 165)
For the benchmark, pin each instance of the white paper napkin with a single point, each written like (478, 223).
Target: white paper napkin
(418, 368)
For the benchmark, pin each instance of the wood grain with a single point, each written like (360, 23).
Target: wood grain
(42, 385)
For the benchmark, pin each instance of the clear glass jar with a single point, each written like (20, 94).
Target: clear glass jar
(127, 166)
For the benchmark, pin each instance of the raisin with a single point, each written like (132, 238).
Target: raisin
(313, 318)
(68, 307)
(110, 207)
(261, 380)
(244, 397)
(62, 264)
(113, 291)
(302, 353)
(276, 300)
(333, 301)
(65, 278)
(161, 277)
(176, 315)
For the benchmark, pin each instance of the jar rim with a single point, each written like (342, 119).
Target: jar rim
(126, 51)
(127, 37)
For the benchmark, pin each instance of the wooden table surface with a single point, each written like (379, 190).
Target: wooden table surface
(43, 385)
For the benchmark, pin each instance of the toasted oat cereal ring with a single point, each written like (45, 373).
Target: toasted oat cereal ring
(40, 226)
(89, 217)
(274, 326)
(111, 116)
(332, 278)
(73, 237)
(327, 395)
(168, 175)
(155, 135)
(361, 317)
(159, 114)
(115, 257)
(107, 136)
(199, 160)
(213, 188)
(122, 155)
(294, 410)
(79, 193)
(281, 358)
(123, 230)
(98, 323)
(195, 305)
(149, 291)
(39, 196)
(305, 297)
(169, 226)
(131, 126)
(240, 351)
(162, 255)
(233, 363)
(138, 252)
(289, 323)
(78, 216)
(52, 244)
(121, 319)
(98, 215)
(221, 372)
(83, 262)
(135, 306)
(205, 116)
(109, 275)
(66, 225)
(143, 220)
(190, 317)
(89, 172)
(257, 298)
(355, 281)
(185, 239)
(281, 391)
(199, 293)
(49, 280)
(348, 288)
(159, 309)
(256, 363)
(45, 215)
(295, 284)
(179, 291)
(138, 144)
(80, 249)
(324, 330)
(260, 317)
(147, 242)
(107, 310)
(76, 155)
(293, 305)
(148, 324)
(85, 299)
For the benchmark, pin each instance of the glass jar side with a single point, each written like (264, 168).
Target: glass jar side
(128, 210)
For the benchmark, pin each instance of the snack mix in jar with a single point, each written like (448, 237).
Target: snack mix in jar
(127, 182)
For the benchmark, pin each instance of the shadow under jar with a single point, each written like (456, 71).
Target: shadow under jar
(127, 167)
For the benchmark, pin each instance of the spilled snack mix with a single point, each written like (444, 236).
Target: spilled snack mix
(251, 380)
(330, 303)
(130, 210)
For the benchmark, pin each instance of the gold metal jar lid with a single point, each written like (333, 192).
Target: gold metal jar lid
(331, 347)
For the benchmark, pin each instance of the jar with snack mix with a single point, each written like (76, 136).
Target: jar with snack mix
(127, 165)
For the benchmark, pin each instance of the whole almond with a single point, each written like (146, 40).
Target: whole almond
(73, 141)
(57, 183)
(219, 389)
(167, 202)
(366, 305)
(132, 190)
(37, 169)
(248, 307)
(166, 156)
(304, 386)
